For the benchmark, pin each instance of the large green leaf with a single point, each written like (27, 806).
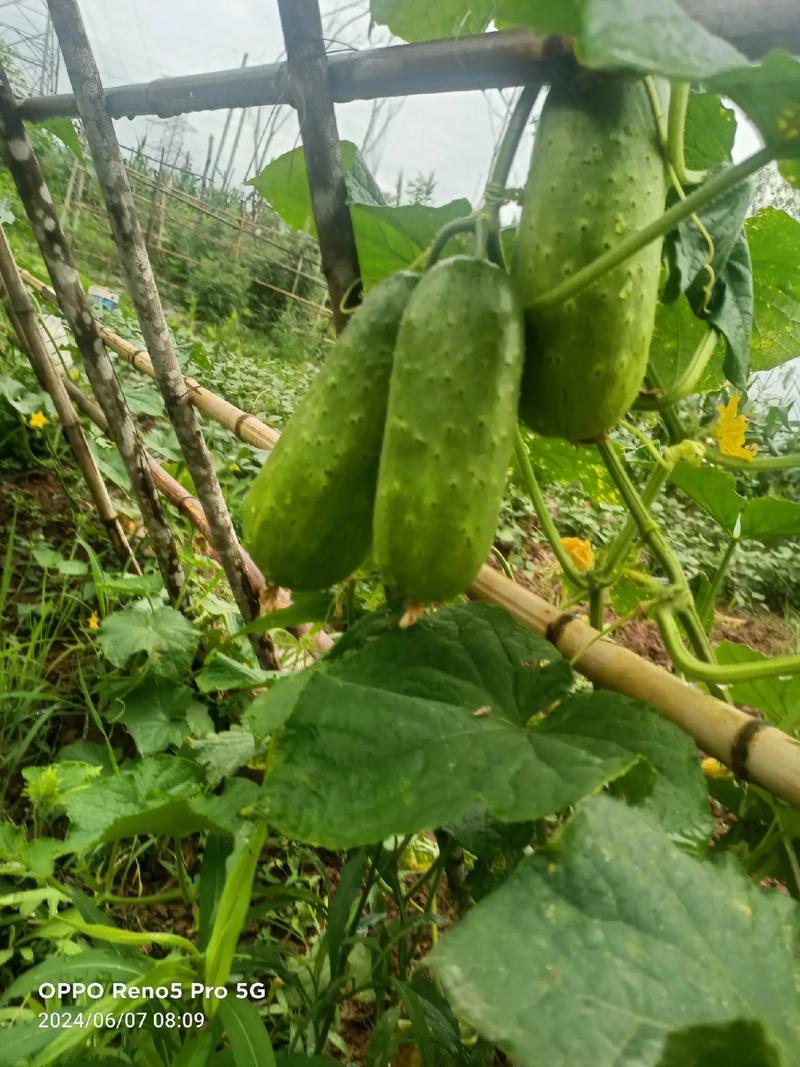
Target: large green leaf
(778, 698)
(768, 92)
(420, 20)
(715, 491)
(709, 131)
(166, 638)
(544, 16)
(600, 951)
(559, 461)
(159, 712)
(246, 1033)
(654, 37)
(738, 1044)
(388, 238)
(87, 966)
(408, 732)
(677, 335)
(160, 795)
(774, 239)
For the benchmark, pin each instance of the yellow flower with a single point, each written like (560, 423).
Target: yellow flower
(579, 551)
(94, 621)
(730, 431)
(712, 768)
(37, 420)
(74, 373)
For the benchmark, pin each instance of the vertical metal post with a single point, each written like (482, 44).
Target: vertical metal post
(130, 242)
(309, 91)
(23, 165)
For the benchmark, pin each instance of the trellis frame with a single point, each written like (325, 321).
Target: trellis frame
(752, 748)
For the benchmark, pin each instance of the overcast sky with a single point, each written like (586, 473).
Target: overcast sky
(451, 135)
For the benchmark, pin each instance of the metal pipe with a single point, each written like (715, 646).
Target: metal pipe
(477, 61)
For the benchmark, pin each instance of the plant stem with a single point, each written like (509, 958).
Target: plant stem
(706, 607)
(676, 128)
(646, 524)
(501, 168)
(616, 553)
(653, 538)
(448, 231)
(597, 603)
(688, 380)
(183, 881)
(722, 674)
(714, 187)
(759, 463)
(543, 515)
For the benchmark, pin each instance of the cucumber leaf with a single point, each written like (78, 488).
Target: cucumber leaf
(408, 731)
(603, 950)
(420, 20)
(774, 240)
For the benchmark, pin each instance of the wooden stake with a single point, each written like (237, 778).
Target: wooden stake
(23, 165)
(130, 242)
(307, 72)
(23, 319)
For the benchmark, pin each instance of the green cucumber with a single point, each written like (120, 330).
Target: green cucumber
(597, 175)
(308, 515)
(449, 429)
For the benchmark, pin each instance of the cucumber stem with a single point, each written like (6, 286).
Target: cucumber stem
(688, 380)
(616, 554)
(759, 463)
(705, 609)
(650, 533)
(676, 135)
(714, 187)
(543, 515)
(721, 674)
(448, 231)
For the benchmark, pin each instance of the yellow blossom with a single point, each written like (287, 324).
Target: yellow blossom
(74, 373)
(37, 420)
(730, 431)
(579, 551)
(712, 768)
(94, 621)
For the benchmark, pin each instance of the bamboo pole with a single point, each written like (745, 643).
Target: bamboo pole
(23, 318)
(478, 61)
(129, 239)
(307, 73)
(26, 172)
(190, 507)
(246, 427)
(749, 746)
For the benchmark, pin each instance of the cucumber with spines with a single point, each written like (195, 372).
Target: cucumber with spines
(597, 175)
(308, 515)
(449, 430)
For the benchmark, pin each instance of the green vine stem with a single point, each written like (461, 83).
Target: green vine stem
(444, 236)
(720, 674)
(501, 168)
(683, 209)
(688, 380)
(650, 533)
(676, 135)
(597, 605)
(614, 557)
(759, 463)
(705, 608)
(543, 515)
(664, 137)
